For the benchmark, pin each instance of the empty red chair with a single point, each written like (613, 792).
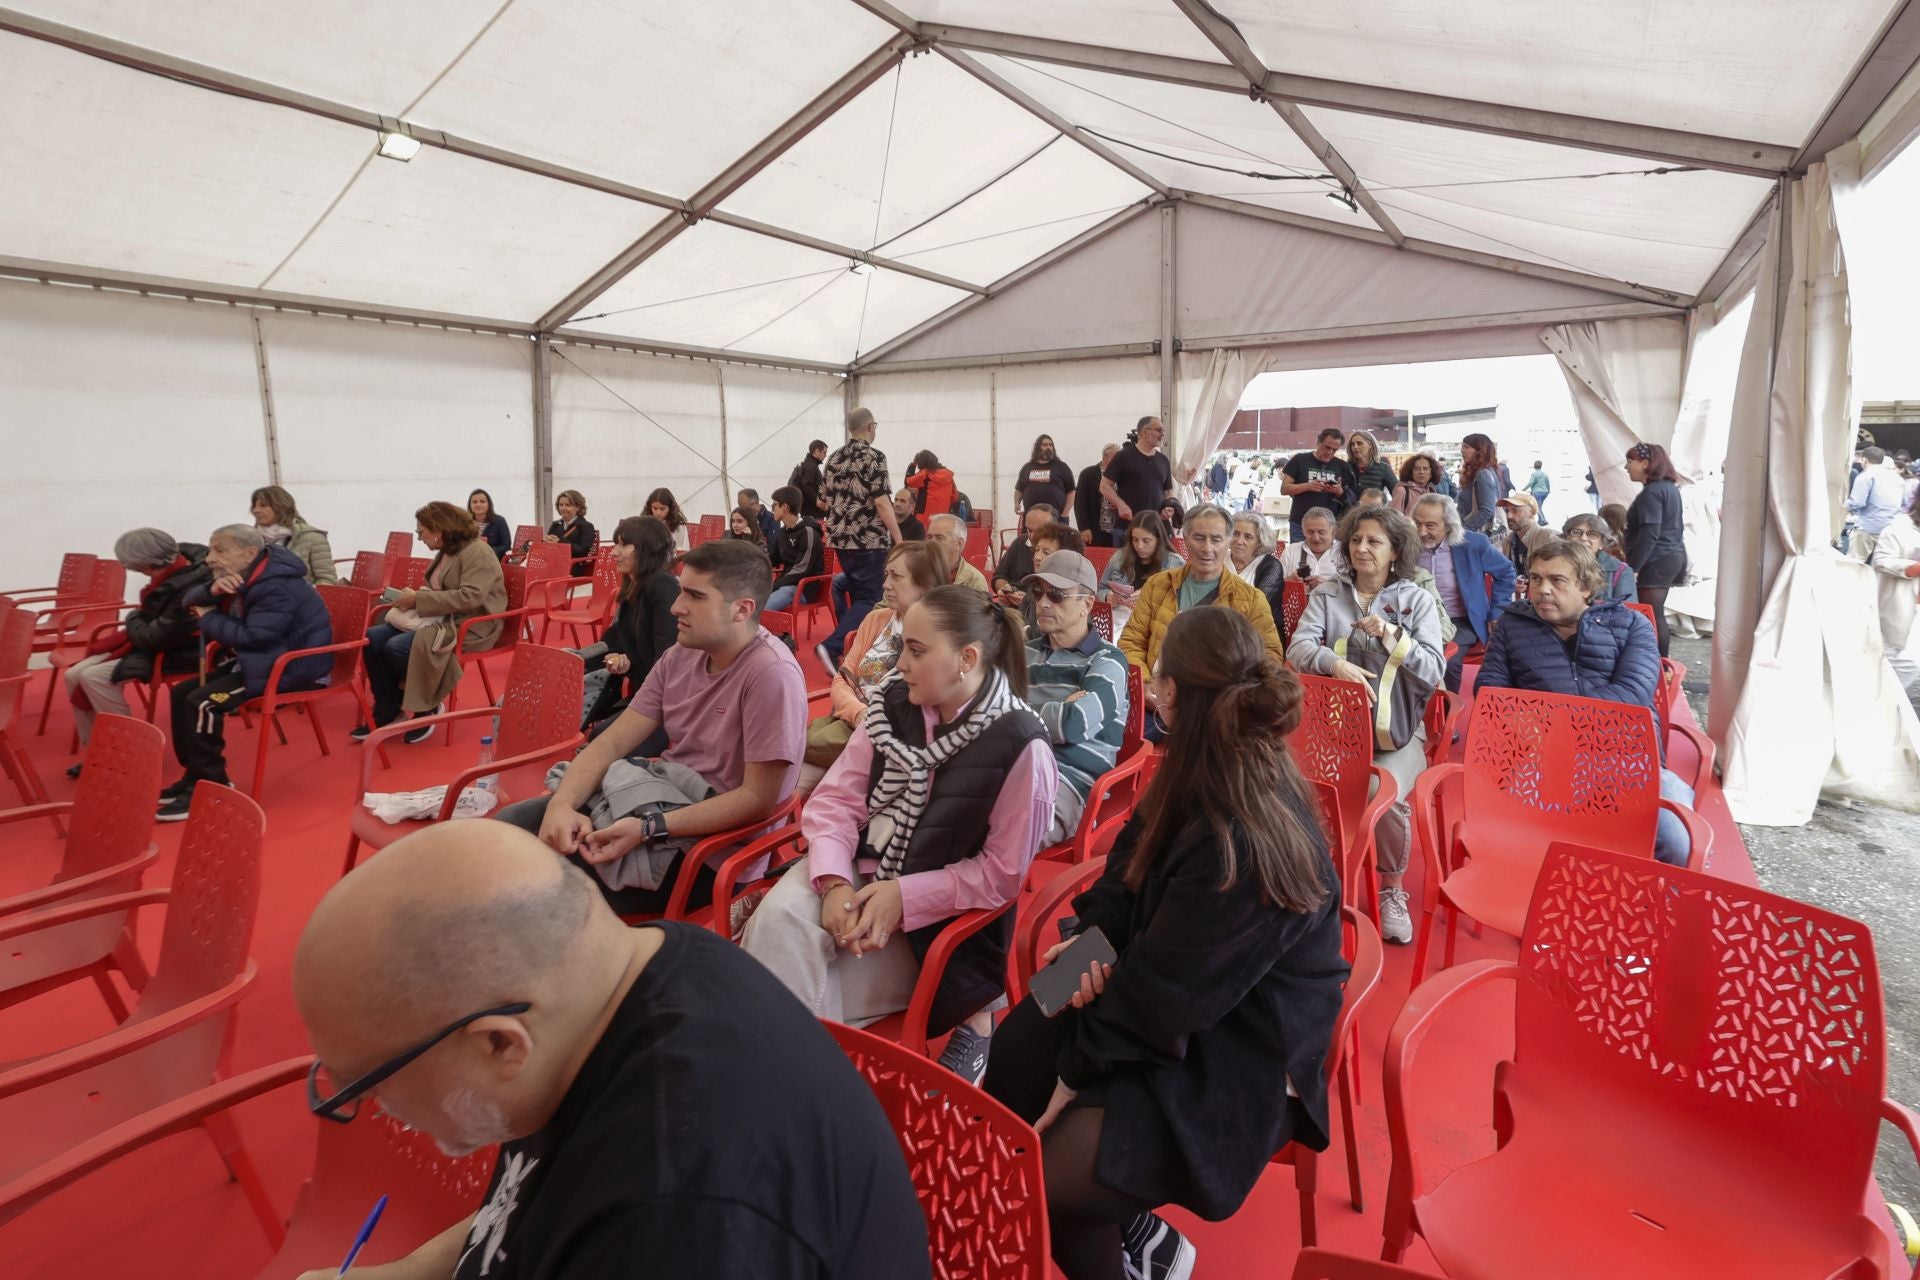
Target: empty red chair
(347, 610)
(1293, 603)
(595, 614)
(538, 723)
(370, 571)
(399, 546)
(16, 649)
(179, 1034)
(975, 1165)
(1319, 1264)
(982, 517)
(353, 1165)
(1540, 768)
(512, 629)
(76, 572)
(1695, 1088)
(814, 596)
(63, 633)
(1334, 745)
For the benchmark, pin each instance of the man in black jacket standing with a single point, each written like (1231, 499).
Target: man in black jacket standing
(807, 478)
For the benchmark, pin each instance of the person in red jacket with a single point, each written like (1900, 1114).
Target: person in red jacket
(932, 484)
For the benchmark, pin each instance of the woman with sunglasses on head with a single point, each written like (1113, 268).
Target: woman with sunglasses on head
(1656, 529)
(1180, 1069)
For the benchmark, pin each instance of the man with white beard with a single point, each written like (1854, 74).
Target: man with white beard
(481, 990)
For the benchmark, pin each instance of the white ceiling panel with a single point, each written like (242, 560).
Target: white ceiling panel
(107, 167)
(715, 286)
(1764, 71)
(365, 53)
(656, 93)
(1150, 26)
(444, 232)
(1538, 201)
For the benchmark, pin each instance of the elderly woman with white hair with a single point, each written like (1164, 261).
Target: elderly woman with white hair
(157, 632)
(1250, 557)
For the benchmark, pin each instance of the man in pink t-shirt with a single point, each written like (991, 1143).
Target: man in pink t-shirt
(733, 703)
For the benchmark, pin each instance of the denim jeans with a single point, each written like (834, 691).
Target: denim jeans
(781, 599)
(1670, 843)
(388, 651)
(864, 572)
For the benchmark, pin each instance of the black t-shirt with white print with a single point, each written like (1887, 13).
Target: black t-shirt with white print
(1048, 483)
(715, 1130)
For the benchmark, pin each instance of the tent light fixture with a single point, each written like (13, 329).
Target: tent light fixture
(861, 267)
(1345, 197)
(399, 146)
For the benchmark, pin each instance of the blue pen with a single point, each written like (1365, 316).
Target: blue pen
(366, 1229)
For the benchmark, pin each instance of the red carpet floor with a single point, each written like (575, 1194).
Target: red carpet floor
(171, 1212)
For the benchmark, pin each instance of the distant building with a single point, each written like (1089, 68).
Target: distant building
(1287, 429)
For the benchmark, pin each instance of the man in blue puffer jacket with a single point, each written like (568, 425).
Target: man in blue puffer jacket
(258, 606)
(1561, 640)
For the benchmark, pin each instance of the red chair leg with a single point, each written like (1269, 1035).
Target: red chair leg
(1422, 941)
(486, 682)
(103, 979)
(260, 758)
(27, 779)
(46, 704)
(1306, 1179)
(225, 1136)
(1453, 933)
(1349, 1100)
(319, 734)
(353, 854)
(126, 955)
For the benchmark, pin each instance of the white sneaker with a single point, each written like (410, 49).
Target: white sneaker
(1396, 925)
(1151, 1249)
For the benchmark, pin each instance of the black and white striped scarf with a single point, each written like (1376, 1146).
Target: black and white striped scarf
(906, 775)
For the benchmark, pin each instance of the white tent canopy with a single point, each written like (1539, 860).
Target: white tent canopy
(650, 243)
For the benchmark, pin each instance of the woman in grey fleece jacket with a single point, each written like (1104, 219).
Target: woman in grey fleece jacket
(1371, 605)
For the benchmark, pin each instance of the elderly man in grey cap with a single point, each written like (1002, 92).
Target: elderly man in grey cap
(1076, 681)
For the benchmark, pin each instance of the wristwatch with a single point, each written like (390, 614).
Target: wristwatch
(653, 825)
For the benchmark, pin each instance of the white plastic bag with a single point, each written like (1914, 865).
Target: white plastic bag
(401, 806)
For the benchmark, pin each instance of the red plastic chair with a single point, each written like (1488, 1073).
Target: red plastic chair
(777, 622)
(353, 1164)
(735, 860)
(1334, 745)
(409, 572)
(16, 648)
(1100, 558)
(525, 536)
(814, 596)
(106, 590)
(179, 1035)
(1036, 926)
(539, 722)
(714, 526)
(1293, 602)
(599, 608)
(1695, 1089)
(1443, 710)
(1100, 617)
(975, 1165)
(1319, 1264)
(1361, 944)
(512, 629)
(76, 572)
(1540, 768)
(1645, 611)
(347, 611)
(982, 518)
(369, 572)
(399, 547)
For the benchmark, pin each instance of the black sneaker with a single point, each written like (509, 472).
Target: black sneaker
(412, 736)
(1151, 1249)
(361, 732)
(966, 1054)
(73, 771)
(174, 808)
(180, 788)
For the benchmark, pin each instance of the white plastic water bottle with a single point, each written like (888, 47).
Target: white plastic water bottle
(487, 782)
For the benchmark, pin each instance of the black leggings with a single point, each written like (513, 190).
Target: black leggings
(1653, 581)
(1084, 1215)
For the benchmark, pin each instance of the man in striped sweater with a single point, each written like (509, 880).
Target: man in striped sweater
(1076, 681)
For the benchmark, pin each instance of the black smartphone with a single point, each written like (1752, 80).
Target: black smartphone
(1053, 986)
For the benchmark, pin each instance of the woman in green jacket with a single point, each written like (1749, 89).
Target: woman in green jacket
(278, 516)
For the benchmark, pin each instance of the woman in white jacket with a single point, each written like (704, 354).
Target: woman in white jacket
(1374, 604)
(1897, 557)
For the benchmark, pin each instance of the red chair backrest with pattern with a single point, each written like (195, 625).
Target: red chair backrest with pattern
(1293, 603)
(975, 1165)
(76, 575)
(347, 610)
(399, 546)
(983, 518)
(112, 820)
(516, 579)
(410, 572)
(1334, 743)
(1544, 767)
(16, 647)
(549, 560)
(1100, 617)
(542, 702)
(216, 890)
(1135, 731)
(369, 571)
(1100, 557)
(108, 582)
(527, 534)
(1731, 1011)
(777, 622)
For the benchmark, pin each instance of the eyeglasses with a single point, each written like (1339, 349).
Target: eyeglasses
(1056, 596)
(345, 1105)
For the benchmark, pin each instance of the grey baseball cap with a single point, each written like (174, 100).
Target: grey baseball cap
(1066, 571)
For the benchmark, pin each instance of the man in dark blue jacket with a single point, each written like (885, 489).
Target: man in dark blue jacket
(258, 606)
(1460, 561)
(1562, 640)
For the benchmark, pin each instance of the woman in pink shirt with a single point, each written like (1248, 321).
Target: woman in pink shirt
(936, 807)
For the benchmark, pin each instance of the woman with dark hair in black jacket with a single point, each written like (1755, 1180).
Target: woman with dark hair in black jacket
(1183, 1067)
(643, 625)
(1656, 529)
(493, 525)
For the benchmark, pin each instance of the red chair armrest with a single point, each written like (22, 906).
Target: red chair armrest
(781, 848)
(708, 845)
(460, 637)
(78, 911)
(171, 1117)
(79, 886)
(1415, 1018)
(126, 1039)
(32, 595)
(1087, 829)
(27, 813)
(913, 1032)
(66, 619)
(478, 771)
(1428, 840)
(271, 698)
(1699, 835)
(1045, 901)
(1702, 746)
(545, 587)
(1383, 798)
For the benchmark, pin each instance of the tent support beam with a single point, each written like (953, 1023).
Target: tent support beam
(542, 425)
(575, 338)
(1894, 52)
(733, 177)
(1169, 316)
(1234, 48)
(1672, 146)
(1062, 250)
(1112, 351)
(1442, 324)
(266, 401)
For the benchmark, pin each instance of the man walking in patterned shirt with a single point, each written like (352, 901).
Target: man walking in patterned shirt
(861, 525)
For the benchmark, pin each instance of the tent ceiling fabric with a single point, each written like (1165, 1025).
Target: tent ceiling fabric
(600, 112)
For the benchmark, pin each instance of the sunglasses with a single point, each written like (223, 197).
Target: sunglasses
(345, 1105)
(1056, 596)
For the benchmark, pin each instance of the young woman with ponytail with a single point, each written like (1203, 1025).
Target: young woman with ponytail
(1180, 1070)
(936, 806)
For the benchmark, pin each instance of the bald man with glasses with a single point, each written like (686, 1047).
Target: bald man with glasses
(480, 990)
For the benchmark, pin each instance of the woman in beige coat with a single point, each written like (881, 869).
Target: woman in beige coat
(414, 645)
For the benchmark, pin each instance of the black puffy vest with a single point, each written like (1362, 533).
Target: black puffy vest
(954, 826)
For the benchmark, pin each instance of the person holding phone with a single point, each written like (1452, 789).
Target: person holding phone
(1179, 1069)
(935, 806)
(1378, 609)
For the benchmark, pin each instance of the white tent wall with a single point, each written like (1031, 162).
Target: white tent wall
(949, 412)
(119, 412)
(772, 416)
(1083, 404)
(626, 423)
(375, 420)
